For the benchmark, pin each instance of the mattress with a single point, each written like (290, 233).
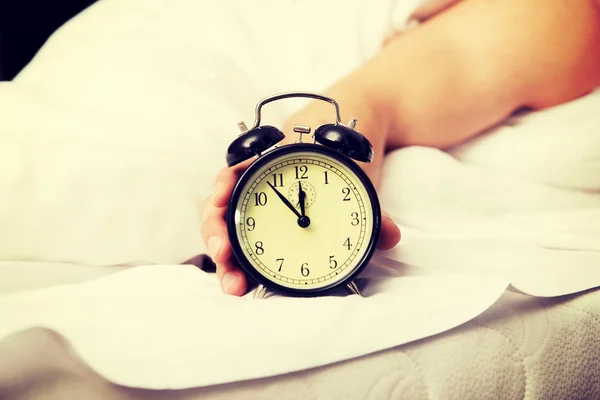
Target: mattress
(521, 348)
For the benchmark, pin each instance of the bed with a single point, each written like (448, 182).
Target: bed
(94, 186)
(523, 347)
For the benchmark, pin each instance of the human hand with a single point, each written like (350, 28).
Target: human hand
(214, 231)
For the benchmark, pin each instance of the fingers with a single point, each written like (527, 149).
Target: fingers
(214, 231)
(233, 280)
(390, 233)
(214, 234)
(225, 182)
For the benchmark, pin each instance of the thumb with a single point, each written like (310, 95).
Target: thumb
(390, 233)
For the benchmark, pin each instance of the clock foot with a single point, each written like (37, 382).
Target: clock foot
(260, 292)
(352, 288)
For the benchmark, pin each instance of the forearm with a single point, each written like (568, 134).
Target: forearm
(468, 68)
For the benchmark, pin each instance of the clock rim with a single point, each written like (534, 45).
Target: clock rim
(236, 248)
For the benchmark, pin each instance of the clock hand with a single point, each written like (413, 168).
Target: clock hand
(285, 201)
(301, 198)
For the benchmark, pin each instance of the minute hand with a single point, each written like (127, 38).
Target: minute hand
(285, 201)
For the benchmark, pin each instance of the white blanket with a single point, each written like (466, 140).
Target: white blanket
(109, 144)
(522, 201)
(171, 327)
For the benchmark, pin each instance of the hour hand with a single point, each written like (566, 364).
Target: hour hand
(285, 201)
(301, 198)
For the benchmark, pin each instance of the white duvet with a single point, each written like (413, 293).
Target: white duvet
(110, 138)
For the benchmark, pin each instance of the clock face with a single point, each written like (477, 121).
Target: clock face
(303, 220)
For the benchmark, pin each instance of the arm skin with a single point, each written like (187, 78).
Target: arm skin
(466, 69)
(474, 64)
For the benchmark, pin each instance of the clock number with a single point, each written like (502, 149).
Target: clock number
(348, 244)
(260, 199)
(326, 180)
(280, 261)
(346, 192)
(251, 223)
(301, 172)
(355, 220)
(303, 270)
(258, 248)
(277, 180)
(332, 263)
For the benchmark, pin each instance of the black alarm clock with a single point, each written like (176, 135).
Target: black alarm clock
(303, 219)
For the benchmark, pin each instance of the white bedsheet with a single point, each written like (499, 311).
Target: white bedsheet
(108, 148)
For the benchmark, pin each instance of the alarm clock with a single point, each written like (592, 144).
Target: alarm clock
(304, 218)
